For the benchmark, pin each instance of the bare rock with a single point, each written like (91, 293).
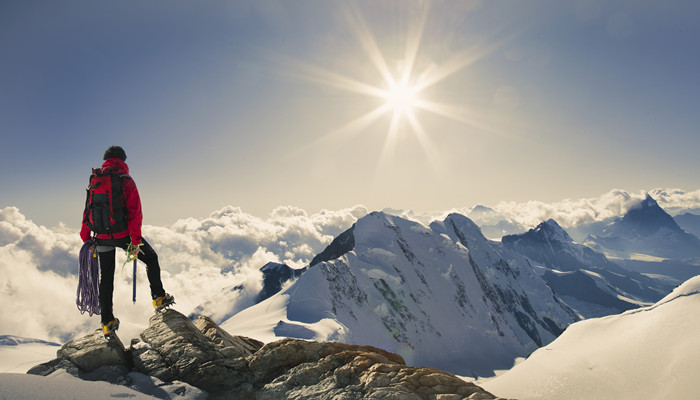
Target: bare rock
(231, 346)
(297, 369)
(94, 351)
(175, 349)
(202, 359)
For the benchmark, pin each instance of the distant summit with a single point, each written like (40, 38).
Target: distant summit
(585, 279)
(274, 276)
(643, 220)
(647, 229)
(551, 230)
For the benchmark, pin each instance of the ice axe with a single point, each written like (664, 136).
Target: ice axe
(130, 250)
(133, 297)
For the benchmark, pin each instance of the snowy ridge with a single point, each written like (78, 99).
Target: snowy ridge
(441, 296)
(589, 282)
(648, 353)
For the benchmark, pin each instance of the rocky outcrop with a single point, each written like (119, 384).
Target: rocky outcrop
(297, 369)
(202, 356)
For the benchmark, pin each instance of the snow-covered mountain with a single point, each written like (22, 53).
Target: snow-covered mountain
(647, 353)
(647, 229)
(689, 222)
(589, 282)
(441, 296)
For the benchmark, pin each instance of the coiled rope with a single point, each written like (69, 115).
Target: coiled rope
(88, 281)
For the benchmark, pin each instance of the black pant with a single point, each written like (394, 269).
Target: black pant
(107, 266)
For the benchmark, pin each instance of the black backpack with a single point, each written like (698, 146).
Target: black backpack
(105, 211)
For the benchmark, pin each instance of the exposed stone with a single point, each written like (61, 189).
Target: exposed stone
(232, 346)
(93, 351)
(149, 362)
(47, 368)
(177, 347)
(174, 350)
(311, 370)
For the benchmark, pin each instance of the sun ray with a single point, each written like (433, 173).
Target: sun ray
(312, 73)
(431, 152)
(387, 156)
(459, 61)
(363, 34)
(413, 45)
(465, 115)
(349, 130)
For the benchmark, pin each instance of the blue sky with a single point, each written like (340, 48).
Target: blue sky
(247, 103)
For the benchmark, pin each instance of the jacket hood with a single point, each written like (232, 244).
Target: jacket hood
(115, 164)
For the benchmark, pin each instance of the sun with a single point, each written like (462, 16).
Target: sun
(400, 90)
(402, 98)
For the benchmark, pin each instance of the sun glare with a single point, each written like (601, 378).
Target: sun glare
(402, 98)
(400, 93)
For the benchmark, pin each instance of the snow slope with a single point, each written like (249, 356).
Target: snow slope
(440, 296)
(19, 354)
(63, 386)
(647, 353)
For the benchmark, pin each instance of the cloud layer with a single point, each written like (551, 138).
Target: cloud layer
(576, 212)
(202, 260)
(199, 259)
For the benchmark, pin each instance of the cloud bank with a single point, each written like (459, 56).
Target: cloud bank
(571, 213)
(203, 260)
(199, 260)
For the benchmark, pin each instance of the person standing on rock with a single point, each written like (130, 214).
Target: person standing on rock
(113, 218)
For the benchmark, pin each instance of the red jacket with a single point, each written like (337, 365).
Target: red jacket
(132, 201)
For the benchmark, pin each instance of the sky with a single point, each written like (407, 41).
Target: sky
(329, 105)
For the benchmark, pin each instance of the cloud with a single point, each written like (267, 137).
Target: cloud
(198, 258)
(575, 212)
(202, 260)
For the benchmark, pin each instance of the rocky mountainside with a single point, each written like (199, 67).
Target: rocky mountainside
(646, 229)
(441, 296)
(587, 280)
(200, 360)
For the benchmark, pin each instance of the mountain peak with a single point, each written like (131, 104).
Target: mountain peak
(647, 229)
(553, 231)
(647, 218)
(648, 202)
(481, 210)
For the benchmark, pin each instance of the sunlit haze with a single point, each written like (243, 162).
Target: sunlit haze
(413, 105)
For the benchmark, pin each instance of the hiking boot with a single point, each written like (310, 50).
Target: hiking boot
(162, 302)
(109, 328)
